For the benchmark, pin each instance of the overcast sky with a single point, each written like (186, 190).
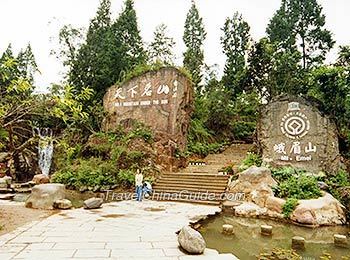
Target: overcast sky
(38, 22)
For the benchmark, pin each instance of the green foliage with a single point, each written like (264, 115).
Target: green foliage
(283, 173)
(203, 149)
(301, 22)
(235, 42)
(160, 49)
(198, 133)
(110, 48)
(298, 187)
(141, 131)
(106, 159)
(331, 85)
(194, 36)
(289, 206)
(89, 173)
(128, 33)
(272, 71)
(126, 177)
(250, 160)
(243, 130)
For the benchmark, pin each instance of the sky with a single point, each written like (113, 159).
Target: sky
(38, 22)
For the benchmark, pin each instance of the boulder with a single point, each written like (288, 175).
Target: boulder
(249, 209)
(325, 210)
(62, 204)
(8, 180)
(191, 240)
(275, 207)
(3, 183)
(255, 183)
(93, 203)
(41, 178)
(43, 196)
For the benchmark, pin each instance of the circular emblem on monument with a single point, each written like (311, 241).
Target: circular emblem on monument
(295, 125)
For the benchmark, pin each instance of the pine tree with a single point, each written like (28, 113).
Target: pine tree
(160, 49)
(127, 32)
(93, 64)
(235, 42)
(300, 25)
(194, 36)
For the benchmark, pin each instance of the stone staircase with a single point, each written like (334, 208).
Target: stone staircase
(201, 183)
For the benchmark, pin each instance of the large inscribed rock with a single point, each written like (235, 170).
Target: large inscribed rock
(293, 132)
(162, 100)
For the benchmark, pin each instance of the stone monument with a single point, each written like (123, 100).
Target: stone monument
(162, 100)
(293, 132)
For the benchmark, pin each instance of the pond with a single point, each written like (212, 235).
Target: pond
(247, 242)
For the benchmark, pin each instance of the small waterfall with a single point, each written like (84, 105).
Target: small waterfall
(45, 148)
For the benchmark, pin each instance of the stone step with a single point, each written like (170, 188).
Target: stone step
(191, 182)
(188, 190)
(191, 175)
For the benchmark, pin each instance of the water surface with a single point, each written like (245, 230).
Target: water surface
(247, 242)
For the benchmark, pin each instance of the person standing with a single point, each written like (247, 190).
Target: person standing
(138, 184)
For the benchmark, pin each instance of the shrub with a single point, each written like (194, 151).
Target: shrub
(250, 160)
(298, 187)
(90, 173)
(283, 173)
(289, 207)
(126, 178)
(242, 130)
(140, 131)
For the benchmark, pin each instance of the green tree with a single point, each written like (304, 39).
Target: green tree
(272, 71)
(160, 49)
(70, 40)
(331, 85)
(194, 36)
(23, 66)
(300, 24)
(127, 32)
(93, 64)
(235, 42)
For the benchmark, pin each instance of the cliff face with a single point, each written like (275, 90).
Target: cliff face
(163, 100)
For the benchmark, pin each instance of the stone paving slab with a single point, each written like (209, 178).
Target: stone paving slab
(118, 230)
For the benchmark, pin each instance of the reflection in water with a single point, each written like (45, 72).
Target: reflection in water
(248, 243)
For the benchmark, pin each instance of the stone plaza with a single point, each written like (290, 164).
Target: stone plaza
(118, 230)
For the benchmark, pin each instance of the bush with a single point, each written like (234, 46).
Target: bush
(283, 173)
(250, 160)
(298, 187)
(91, 173)
(126, 178)
(289, 207)
(141, 131)
(203, 149)
(242, 130)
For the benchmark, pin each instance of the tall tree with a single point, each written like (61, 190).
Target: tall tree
(160, 49)
(194, 36)
(26, 64)
(23, 66)
(272, 71)
(93, 64)
(128, 33)
(300, 24)
(235, 43)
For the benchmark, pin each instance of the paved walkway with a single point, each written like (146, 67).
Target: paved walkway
(118, 230)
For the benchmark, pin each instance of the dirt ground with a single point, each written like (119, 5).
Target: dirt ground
(14, 215)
